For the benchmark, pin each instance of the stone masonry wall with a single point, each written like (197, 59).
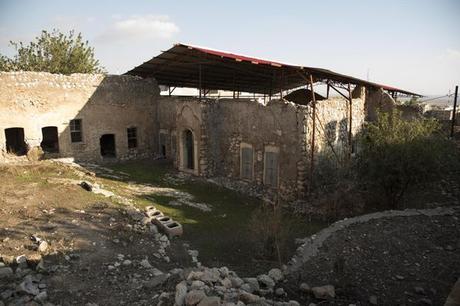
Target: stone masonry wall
(106, 104)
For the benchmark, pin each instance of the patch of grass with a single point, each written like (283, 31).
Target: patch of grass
(221, 236)
(144, 171)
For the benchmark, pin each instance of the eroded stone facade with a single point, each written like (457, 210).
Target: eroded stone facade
(104, 104)
(266, 147)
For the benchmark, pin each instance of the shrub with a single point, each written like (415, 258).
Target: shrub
(269, 232)
(396, 154)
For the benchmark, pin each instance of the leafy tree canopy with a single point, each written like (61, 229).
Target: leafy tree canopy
(53, 52)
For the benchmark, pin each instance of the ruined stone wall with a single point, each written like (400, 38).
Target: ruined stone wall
(106, 105)
(377, 100)
(279, 125)
(332, 125)
(221, 127)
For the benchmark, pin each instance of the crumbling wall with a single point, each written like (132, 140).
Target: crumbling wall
(105, 104)
(377, 100)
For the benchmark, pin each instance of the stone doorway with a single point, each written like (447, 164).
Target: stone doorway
(50, 142)
(107, 144)
(189, 154)
(15, 143)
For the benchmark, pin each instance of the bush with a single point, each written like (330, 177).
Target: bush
(269, 232)
(396, 154)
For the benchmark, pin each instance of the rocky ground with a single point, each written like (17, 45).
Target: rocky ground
(391, 261)
(64, 243)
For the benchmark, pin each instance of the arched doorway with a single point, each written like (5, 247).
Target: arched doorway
(107, 144)
(189, 154)
(50, 142)
(15, 143)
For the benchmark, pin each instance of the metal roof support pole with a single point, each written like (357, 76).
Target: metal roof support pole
(350, 132)
(199, 80)
(452, 129)
(313, 134)
(327, 90)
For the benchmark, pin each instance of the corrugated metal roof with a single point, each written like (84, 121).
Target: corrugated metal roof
(198, 67)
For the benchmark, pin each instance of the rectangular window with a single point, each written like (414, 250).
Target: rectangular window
(246, 162)
(76, 134)
(132, 137)
(271, 169)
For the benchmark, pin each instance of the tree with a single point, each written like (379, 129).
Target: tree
(53, 52)
(396, 154)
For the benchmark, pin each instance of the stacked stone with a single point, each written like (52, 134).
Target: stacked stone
(220, 286)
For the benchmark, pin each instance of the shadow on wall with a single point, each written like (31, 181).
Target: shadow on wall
(88, 117)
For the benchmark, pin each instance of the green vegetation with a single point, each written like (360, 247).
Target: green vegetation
(53, 52)
(227, 235)
(398, 154)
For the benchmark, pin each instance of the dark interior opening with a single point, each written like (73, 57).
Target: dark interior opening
(107, 144)
(15, 143)
(50, 142)
(189, 154)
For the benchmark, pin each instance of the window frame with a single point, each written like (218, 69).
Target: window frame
(274, 150)
(130, 138)
(74, 131)
(244, 146)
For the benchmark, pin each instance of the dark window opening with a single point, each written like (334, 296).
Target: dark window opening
(15, 143)
(271, 169)
(132, 138)
(189, 161)
(50, 142)
(76, 134)
(246, 163)
(107, 144)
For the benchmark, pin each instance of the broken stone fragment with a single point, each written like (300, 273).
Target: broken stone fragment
(276, 274)
(249, 298)
(181, 292)
(87, 186)
(194, 297)
(324, 292)
(266, 281)
(304, 287)
(6, 272)
(21, 261)
(43, 246)
(210, 301)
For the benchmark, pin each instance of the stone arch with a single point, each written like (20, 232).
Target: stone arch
(188, 151)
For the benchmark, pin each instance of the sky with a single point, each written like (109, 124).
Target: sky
(412, 44)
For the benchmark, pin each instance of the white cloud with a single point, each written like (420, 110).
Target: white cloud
(140, 28)
(455, 54)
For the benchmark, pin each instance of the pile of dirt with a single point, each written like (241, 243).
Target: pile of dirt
(390, 261)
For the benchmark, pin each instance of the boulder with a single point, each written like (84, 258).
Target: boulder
(6, 272)
(210, 301)
(236, 282)
(266, 281)
(197, 284)
(324, 292)
(194, 297)
(304, 287)
(181, 292)
(43, 246)
(253, 283)
(249, 298)
(276, 274)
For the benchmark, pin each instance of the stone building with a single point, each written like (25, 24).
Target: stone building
(270, 146)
